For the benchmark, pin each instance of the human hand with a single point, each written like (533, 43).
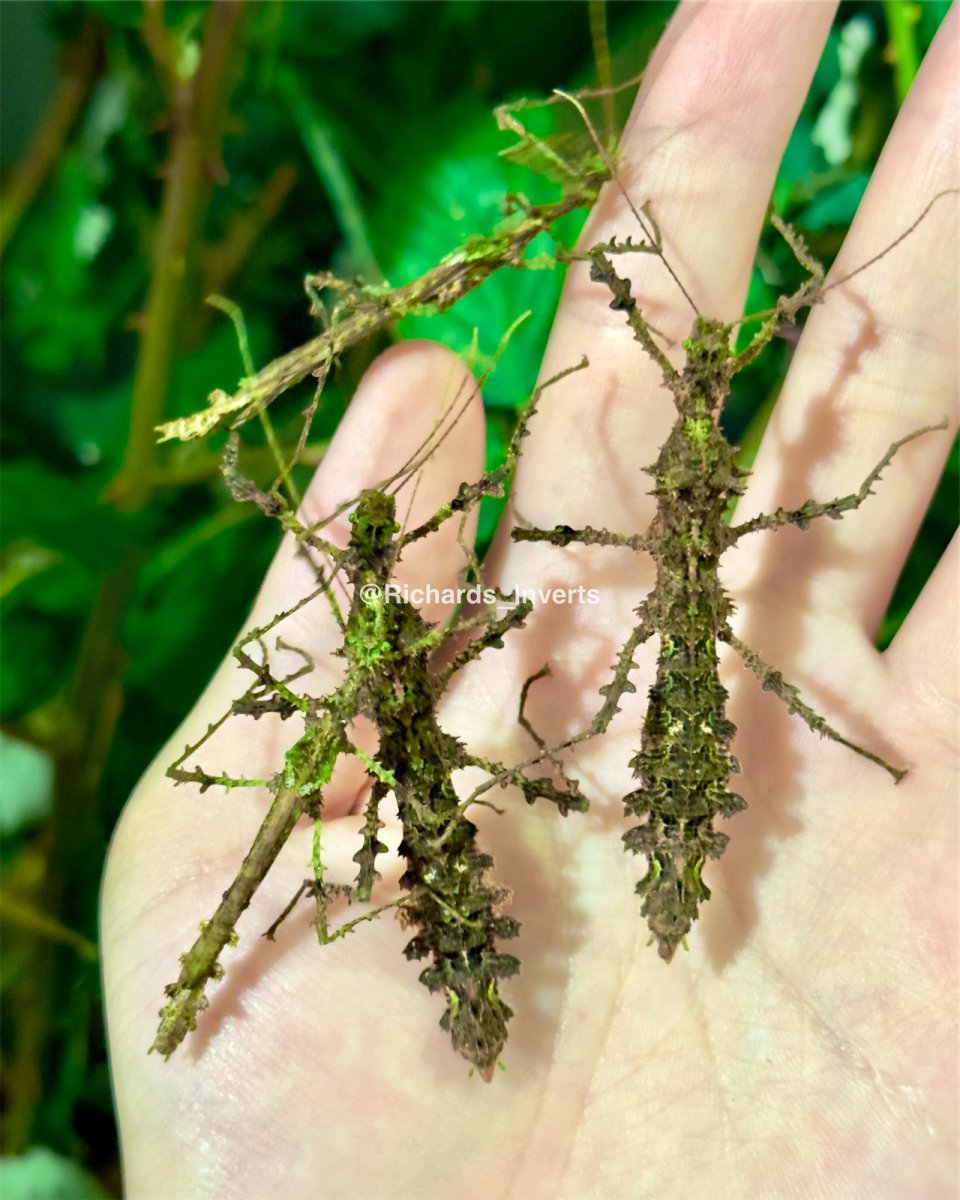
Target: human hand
(799, 1045)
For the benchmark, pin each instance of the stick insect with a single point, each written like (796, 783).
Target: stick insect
(390, 651)
(684, 761)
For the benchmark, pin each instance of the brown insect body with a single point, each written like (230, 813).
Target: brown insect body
(684, 762)
(393, 679)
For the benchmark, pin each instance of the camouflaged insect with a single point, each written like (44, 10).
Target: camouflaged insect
(392, 678)
(684, 761)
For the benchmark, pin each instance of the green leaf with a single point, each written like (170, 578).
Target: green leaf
(63, 514)
(457, 194)
(37, 652)
(41, 1174)
(837, 205)
(26, 784)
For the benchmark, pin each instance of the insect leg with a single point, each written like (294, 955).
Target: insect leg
(620, 684)
(206, 780)
(323, 892)
(268, 683)
(773, 681)
(494, 483)
(319, 889)
(563, 535)
(835, 509)
(533, 789)
(309, 765)
(801, 252)
(601, 271)
(201, 962)
(371, 846)
(491, 636)
(787, 306)
(306, 886)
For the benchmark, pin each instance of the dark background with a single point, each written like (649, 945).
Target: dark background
(355, 136)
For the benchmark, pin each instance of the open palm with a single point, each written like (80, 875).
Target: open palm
(805, 1045)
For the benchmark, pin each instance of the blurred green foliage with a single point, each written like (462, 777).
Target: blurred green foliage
(355, 136)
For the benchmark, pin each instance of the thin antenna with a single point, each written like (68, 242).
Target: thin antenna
(432, 441)
(893, 245)
(611, 167)
(412, 464)
(429, 446)
(822, 291)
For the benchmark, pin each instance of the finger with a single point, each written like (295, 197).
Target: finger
(877, 360)
(923, 656)
(394, 410)
(173, 853)
(412, 393)
(702, 146)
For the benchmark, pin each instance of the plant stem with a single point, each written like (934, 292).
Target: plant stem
(79, 67)
(902, 17)
(437, 289)
(199, 110)
(48, 1045)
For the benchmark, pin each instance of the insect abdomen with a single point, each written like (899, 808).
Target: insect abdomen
(683, 767)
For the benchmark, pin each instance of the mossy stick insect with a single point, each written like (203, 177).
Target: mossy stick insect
(391, 677)
(684, 761)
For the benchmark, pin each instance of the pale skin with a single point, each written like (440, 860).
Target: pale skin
(806, 1043)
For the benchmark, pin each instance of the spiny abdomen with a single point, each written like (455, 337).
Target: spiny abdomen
(683, 767)
(455, 908)
(457, 912)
